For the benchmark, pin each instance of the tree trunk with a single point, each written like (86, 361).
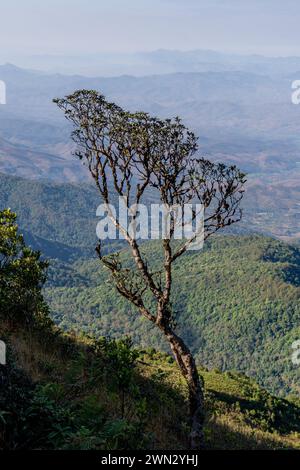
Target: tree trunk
(187, 365)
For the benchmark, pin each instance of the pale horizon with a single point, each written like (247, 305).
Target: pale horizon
(66, 27)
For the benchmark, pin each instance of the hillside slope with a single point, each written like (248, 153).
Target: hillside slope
(61, 391)
(27, 162)
(64, 394)
(237, 304)
(61, 213)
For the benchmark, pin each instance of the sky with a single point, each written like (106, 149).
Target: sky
(269, 27)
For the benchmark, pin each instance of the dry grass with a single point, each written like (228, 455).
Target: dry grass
(162, 386)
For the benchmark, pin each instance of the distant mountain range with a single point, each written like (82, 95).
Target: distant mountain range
(160, 61)
(241, 115)
(29, 162)
(232, 110)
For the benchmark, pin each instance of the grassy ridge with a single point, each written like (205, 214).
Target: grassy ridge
(63, 395)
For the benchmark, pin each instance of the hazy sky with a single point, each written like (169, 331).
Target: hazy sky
(81, 26)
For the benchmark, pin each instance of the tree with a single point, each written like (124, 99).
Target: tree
(129, 155)
(22, 275)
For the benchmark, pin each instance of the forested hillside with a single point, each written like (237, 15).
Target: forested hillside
(66, 213)
(238, 300)
(65, 392)
(239, 304)
(56, 212)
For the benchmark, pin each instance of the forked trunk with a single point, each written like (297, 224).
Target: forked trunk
(186, 362)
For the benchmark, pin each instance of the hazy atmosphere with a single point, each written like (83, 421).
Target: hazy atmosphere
(149, 230)
(268, 27)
